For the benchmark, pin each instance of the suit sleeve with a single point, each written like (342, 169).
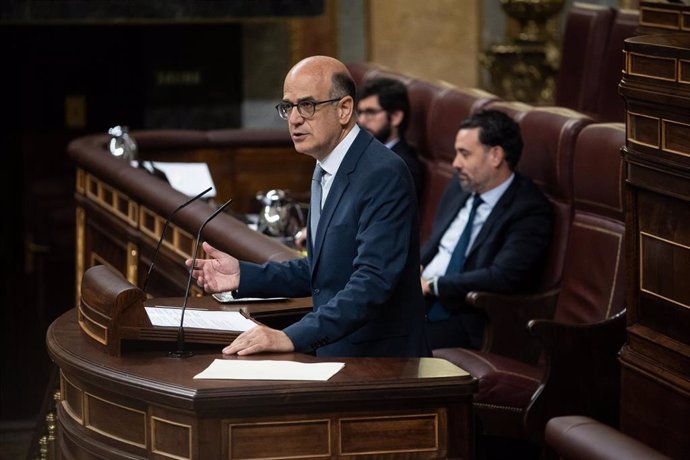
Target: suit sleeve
(275, 279)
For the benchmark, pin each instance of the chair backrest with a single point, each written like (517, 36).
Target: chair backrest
(549, 135)
(449, 107)
(360, 71)
(584, 40)
(592, 284)
(610, 105)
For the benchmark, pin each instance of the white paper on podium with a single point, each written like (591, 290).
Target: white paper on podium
(200, 319)
(231, 369)
(187, 178)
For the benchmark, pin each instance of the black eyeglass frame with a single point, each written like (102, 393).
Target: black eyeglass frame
(301, 106)
(368, 113)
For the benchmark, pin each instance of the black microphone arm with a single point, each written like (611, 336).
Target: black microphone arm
(165, 227)
(180, 352)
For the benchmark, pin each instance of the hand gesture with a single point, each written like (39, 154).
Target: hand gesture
(220, 273)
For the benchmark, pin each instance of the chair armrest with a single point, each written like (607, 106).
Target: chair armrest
(582, 373)
(507, 316)
(576, 437)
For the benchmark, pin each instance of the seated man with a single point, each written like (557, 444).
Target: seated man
(490, 233)
(383, 109)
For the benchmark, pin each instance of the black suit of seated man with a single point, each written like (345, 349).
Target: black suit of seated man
(509, 233)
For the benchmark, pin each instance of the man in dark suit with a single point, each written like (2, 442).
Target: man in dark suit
(490, 233)
(362, 264)
(383, 109)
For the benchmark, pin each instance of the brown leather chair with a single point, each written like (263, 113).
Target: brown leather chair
(610, 106)
(579, 372)
(584, 40)
(360, 71)
(549, 135)
(449, 107)
(436, 110)
(576, 437)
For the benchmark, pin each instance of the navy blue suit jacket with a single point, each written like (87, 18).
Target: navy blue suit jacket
(507, 255)
(363, 274)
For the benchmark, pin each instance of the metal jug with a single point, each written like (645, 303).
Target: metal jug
(121, 143)
(280, 215)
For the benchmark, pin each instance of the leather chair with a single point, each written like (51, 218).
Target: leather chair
(449, 107)
(436, 110)
(549, 136)
(360, 71)
(579, 370)
(576, 437)
(584, 40)
(610, 106)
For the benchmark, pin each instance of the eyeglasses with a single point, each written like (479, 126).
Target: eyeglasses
(369, 113)
(305, 108)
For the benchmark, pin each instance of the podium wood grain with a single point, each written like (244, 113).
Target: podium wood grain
(145, 404)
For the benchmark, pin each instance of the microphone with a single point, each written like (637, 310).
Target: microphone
(165, 227)
(180, 352)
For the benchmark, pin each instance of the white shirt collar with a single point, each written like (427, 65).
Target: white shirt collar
(332, 161)
(390, 144)
(492, 196)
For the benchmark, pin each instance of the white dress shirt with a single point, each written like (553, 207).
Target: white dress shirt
(438, 265)
(332, 162)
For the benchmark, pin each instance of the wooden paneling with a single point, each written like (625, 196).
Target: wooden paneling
(305, 438)
(655, 378)
(375, 435)
(122, 211)
(662, 17)
(148, 405)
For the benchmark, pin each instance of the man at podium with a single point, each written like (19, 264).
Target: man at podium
(362, 264)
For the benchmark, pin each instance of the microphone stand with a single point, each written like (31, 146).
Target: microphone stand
(181, 352)
(165, 227)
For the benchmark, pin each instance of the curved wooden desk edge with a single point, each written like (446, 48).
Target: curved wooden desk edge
(127, 403)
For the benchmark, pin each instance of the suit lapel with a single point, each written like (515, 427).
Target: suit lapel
(456, 202)
(497, 213)
(338, 187)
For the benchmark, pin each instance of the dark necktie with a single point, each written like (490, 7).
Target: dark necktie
(315, 205)
(438, 312)
(457, 259)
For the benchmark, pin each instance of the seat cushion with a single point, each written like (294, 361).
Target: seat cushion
(503, 381)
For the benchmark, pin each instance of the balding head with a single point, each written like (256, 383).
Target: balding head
(325, 70)
(320, 79)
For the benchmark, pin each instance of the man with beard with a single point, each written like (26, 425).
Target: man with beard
(490, 233)
(383, 109)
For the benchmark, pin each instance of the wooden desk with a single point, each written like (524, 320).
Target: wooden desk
(147, 405)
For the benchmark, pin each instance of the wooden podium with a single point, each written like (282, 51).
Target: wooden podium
(118, 402)
(145, 404)
(111, 311)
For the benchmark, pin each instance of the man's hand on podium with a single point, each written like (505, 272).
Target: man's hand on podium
(258, 339)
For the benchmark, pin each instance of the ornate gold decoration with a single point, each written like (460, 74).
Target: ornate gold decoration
(523, 67)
